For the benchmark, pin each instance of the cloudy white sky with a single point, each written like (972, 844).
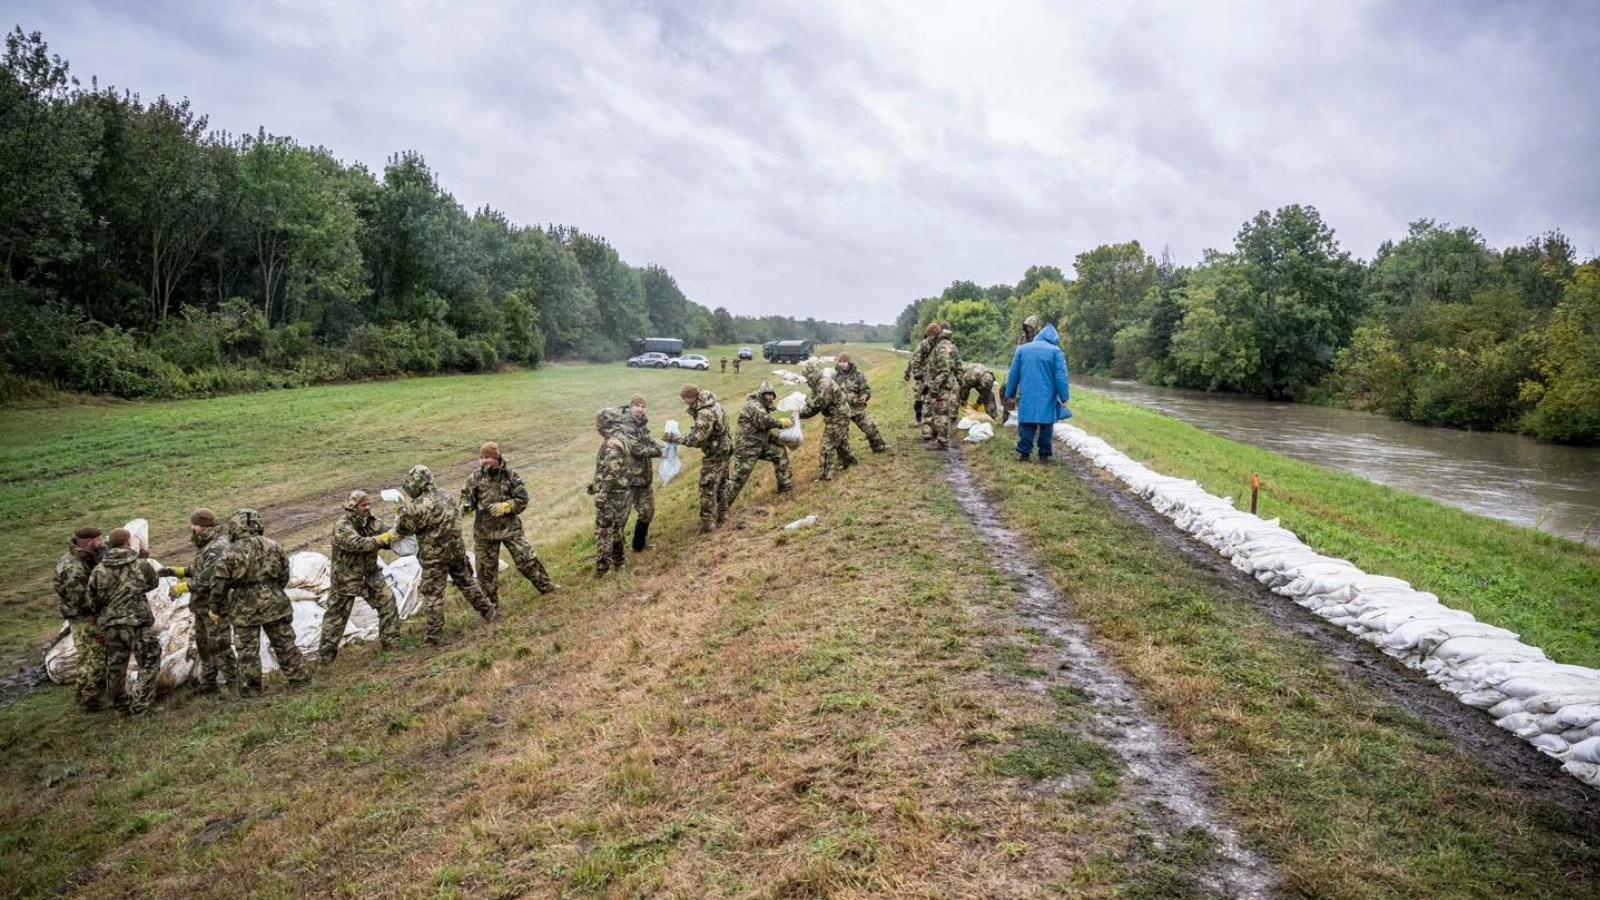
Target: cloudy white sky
(838, 158)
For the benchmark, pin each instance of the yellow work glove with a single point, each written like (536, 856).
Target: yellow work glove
(180, 571)
(786, 422)
(387, 538)
(180, 588)
(503, 508)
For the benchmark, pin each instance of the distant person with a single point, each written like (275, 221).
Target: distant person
(117, 590)
(357, 572)
(724, 365)
(853, 382)
(610, 491)
(497, 496)
(251, 578)
(710, 434)
(757, 441)
(736, 361)
(84, 551)
(1039, 375)
(1030, 330)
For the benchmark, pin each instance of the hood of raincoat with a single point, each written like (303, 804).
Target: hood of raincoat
(419, 481)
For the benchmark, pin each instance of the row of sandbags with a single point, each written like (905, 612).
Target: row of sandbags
(309, 584)
(1555, 707)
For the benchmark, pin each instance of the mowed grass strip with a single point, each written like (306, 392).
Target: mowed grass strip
(295, 455)
(1350, 795)
(1544, 587)
(759, 712)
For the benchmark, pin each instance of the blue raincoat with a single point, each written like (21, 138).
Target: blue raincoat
(1039, 373)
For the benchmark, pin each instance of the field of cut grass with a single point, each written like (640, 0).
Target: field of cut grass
(1351, 795)
(294, 455)
(1545, 587)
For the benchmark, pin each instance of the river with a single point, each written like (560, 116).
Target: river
(1517, 479)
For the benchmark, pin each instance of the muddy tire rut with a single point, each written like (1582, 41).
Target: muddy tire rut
(1165, 785)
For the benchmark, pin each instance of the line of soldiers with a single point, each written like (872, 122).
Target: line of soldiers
(238, 584)
(622, 464)
(944, 383)
(239, 578)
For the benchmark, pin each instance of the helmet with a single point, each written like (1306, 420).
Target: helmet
(244, 523)
(419, 481)
(356, 499)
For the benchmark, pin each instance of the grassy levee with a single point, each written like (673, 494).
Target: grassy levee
(294, 455)
(837, 711)
(1543, 587)
(1349, 794)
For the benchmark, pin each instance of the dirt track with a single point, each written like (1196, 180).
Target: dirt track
(1170, 795)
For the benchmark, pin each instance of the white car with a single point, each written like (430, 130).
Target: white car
(692, 361)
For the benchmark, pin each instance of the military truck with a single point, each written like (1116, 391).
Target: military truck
(787, 351)
(672, 347)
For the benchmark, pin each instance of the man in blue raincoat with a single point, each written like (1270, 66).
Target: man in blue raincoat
(1039, 375)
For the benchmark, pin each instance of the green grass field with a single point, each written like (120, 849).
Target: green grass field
(849, 710)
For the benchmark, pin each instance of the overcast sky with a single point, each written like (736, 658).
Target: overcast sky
(838, 158)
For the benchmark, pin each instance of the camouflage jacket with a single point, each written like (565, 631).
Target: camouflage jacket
(942, 373)
(828, 401)
(117, 589)
(855, 387)
(355, 551)
(758, 428)
(610, 468)
(710, 429)
(250, 580)
(209, 545)
(72, 581)
(976, 377)
(485, 488)
(918, 360)
(436, 522)
(641, 448)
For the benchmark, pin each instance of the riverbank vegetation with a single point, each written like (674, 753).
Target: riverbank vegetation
(144, 255)
(1439, 328)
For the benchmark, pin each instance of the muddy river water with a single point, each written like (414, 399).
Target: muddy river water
(1517, 479)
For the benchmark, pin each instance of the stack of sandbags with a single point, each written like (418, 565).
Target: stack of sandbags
(1554, 707)
(788, 377)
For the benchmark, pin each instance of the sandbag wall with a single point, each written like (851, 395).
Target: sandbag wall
(1552, 706)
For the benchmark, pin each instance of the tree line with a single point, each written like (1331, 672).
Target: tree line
(1439, 328)
(147, 255)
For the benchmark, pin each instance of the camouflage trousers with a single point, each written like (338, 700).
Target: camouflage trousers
(713, 490)
(371, 588)
(214, 641)
(435, 577)
(642, 500)
(90, 682)
(280, 637)
(836, 450)
(744, 465)
(141, 644)
(943, 405)
(869, 428)
(523, 557)
(610, 515)
(926, 397)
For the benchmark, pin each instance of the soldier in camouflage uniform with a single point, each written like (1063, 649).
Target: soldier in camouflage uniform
(496, 495)
(610, 491)
(850, 379)
(213, 637)
(976, 379)
(641, 449)
(710, 434)
(436, 521)
(84, 552)
(358, 573)
(116, 591)
(915, 373)
(828, 401)
(943, 377)
(250, 579)
(757, 441)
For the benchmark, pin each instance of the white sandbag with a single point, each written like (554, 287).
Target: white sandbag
(1013, 422)
(798, 524)
(1586, 752)
(979, 433)
(1549, 744)
(1579, 715)
(406, 546)
(671, 465)
(403, 577)
(138, 535)
(61, 657)
(310, 571)
(307, 626)
(793, 403)
(965, 422)
(392, 495)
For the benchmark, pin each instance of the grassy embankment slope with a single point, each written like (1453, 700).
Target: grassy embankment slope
(847, 710)
(1542, 586)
